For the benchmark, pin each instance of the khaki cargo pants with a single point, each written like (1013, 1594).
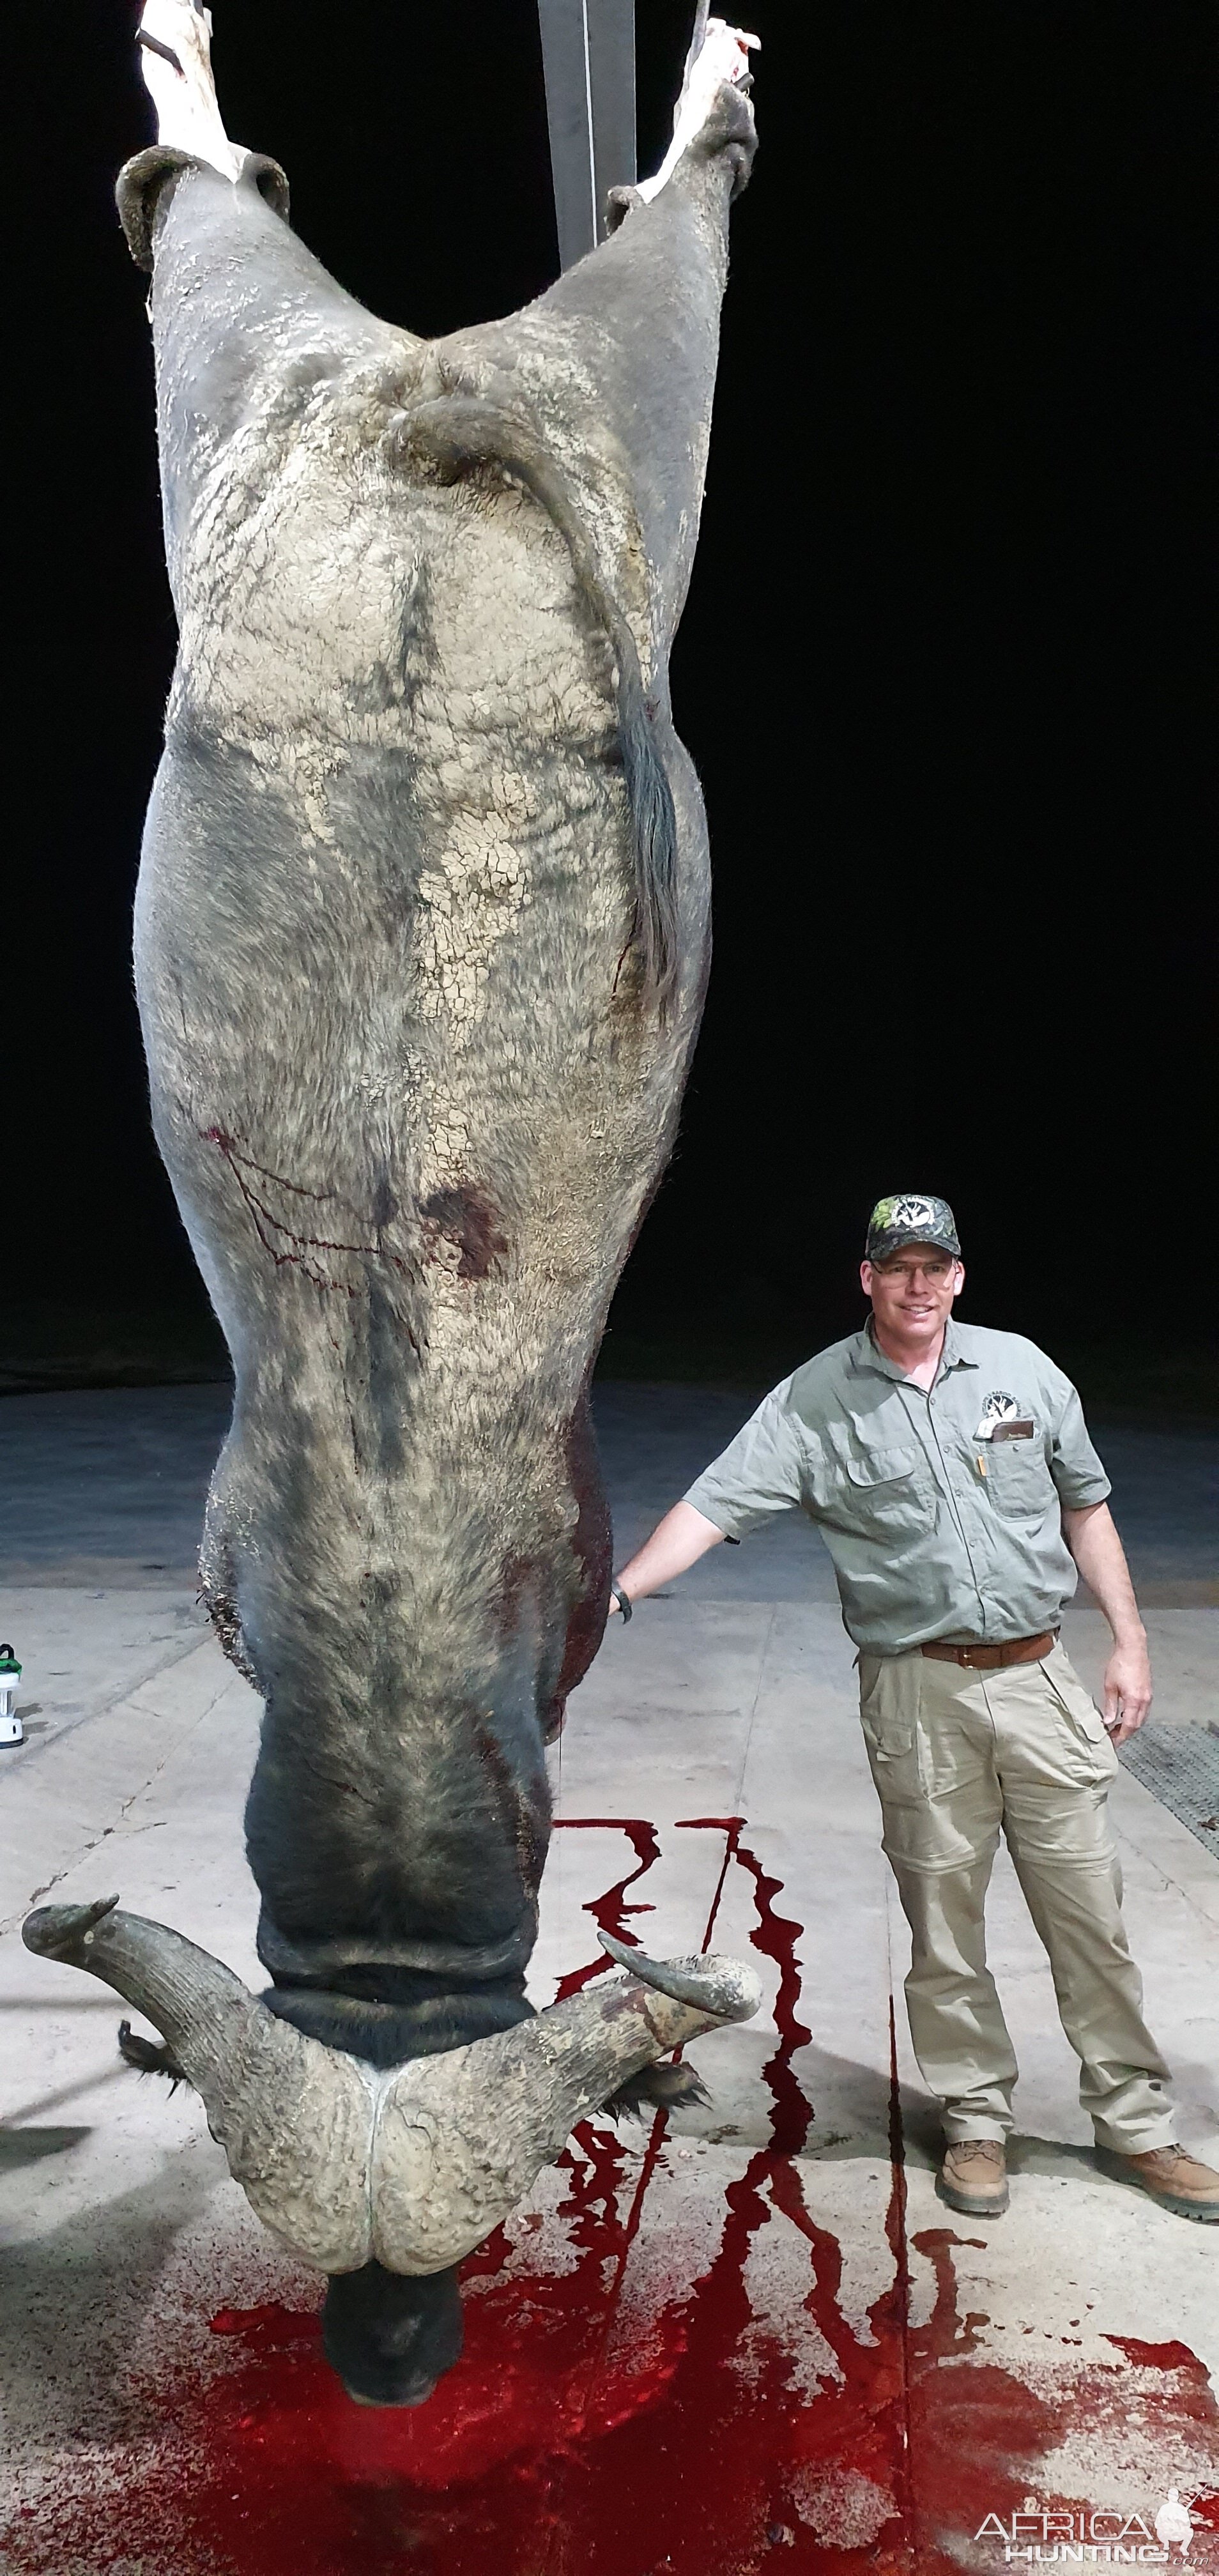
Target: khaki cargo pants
(957, 1754)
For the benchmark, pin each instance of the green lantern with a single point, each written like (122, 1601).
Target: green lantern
(11, 1728)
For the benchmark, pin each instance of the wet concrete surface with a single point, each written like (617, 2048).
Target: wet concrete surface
(744, 2338)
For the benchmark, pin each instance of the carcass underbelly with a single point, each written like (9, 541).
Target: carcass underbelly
(387, 886)
(411, 1108)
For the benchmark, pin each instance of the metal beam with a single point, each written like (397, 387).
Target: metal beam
(588, 53)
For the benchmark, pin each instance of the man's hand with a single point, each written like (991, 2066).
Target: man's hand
(1097, 1550)
(676, 1543)
(1127, 1688)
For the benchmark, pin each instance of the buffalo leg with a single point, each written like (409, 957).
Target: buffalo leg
(176, 56)
(630, 335)
(242, 312)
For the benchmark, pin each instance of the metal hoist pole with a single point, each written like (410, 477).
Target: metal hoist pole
(588, 55)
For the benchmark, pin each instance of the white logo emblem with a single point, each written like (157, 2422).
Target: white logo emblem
(1105, 2536)
(999, 1407)
(912, 1212)
(1174, 2521)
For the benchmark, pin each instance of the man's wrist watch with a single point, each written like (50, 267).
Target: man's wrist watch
(623, 1599)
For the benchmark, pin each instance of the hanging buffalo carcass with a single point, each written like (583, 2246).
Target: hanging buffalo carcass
(421, 943)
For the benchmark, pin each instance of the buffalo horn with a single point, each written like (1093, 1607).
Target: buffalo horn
(295, 2119)
(461, 2137)
(724, 1987)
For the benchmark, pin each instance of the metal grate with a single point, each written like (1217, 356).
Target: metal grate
(1180, 1766)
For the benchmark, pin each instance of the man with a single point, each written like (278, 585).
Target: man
(951, 1475)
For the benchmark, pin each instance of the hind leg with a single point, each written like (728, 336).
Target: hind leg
(618, 358)
(241, 311)
(723, 57)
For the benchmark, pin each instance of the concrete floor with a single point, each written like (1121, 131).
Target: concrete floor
(748, 2338)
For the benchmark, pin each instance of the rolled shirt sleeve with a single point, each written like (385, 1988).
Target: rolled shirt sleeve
(1074, 1464)
(761, 1472)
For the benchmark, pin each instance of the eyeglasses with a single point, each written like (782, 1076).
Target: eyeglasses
(932, 1271)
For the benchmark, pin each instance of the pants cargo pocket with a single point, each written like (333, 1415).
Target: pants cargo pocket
(1088, 1747)
(888, 1710)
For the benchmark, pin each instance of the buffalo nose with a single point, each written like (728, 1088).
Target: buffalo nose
(390, 2336)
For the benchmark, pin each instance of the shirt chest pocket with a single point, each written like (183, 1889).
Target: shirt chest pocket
(1018, 1480)
(885, 1493)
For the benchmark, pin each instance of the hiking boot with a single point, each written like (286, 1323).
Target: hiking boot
(1172, 2176)
(973, 2177)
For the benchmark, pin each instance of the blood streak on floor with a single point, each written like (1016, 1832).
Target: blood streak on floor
(609, 1911)
(561, 2448)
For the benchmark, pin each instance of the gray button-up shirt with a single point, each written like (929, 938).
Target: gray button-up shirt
(939, 1523)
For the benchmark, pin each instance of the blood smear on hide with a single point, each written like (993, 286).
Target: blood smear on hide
(560, 2446)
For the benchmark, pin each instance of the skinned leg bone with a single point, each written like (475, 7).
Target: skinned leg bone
(723, 56)
(176, 59)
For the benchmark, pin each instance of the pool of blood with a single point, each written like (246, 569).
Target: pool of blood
(559, 2447)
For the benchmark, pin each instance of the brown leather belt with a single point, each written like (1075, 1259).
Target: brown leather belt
(986, 1659)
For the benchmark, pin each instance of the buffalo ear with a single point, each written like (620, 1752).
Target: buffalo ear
(148, 2059)
(658, 2088)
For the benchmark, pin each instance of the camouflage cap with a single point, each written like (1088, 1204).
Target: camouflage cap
(910, 1218)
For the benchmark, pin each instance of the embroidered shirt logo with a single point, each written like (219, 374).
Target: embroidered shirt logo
(998, 1407)
(1002, 1419)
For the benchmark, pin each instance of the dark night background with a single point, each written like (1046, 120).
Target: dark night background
(940, 668)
